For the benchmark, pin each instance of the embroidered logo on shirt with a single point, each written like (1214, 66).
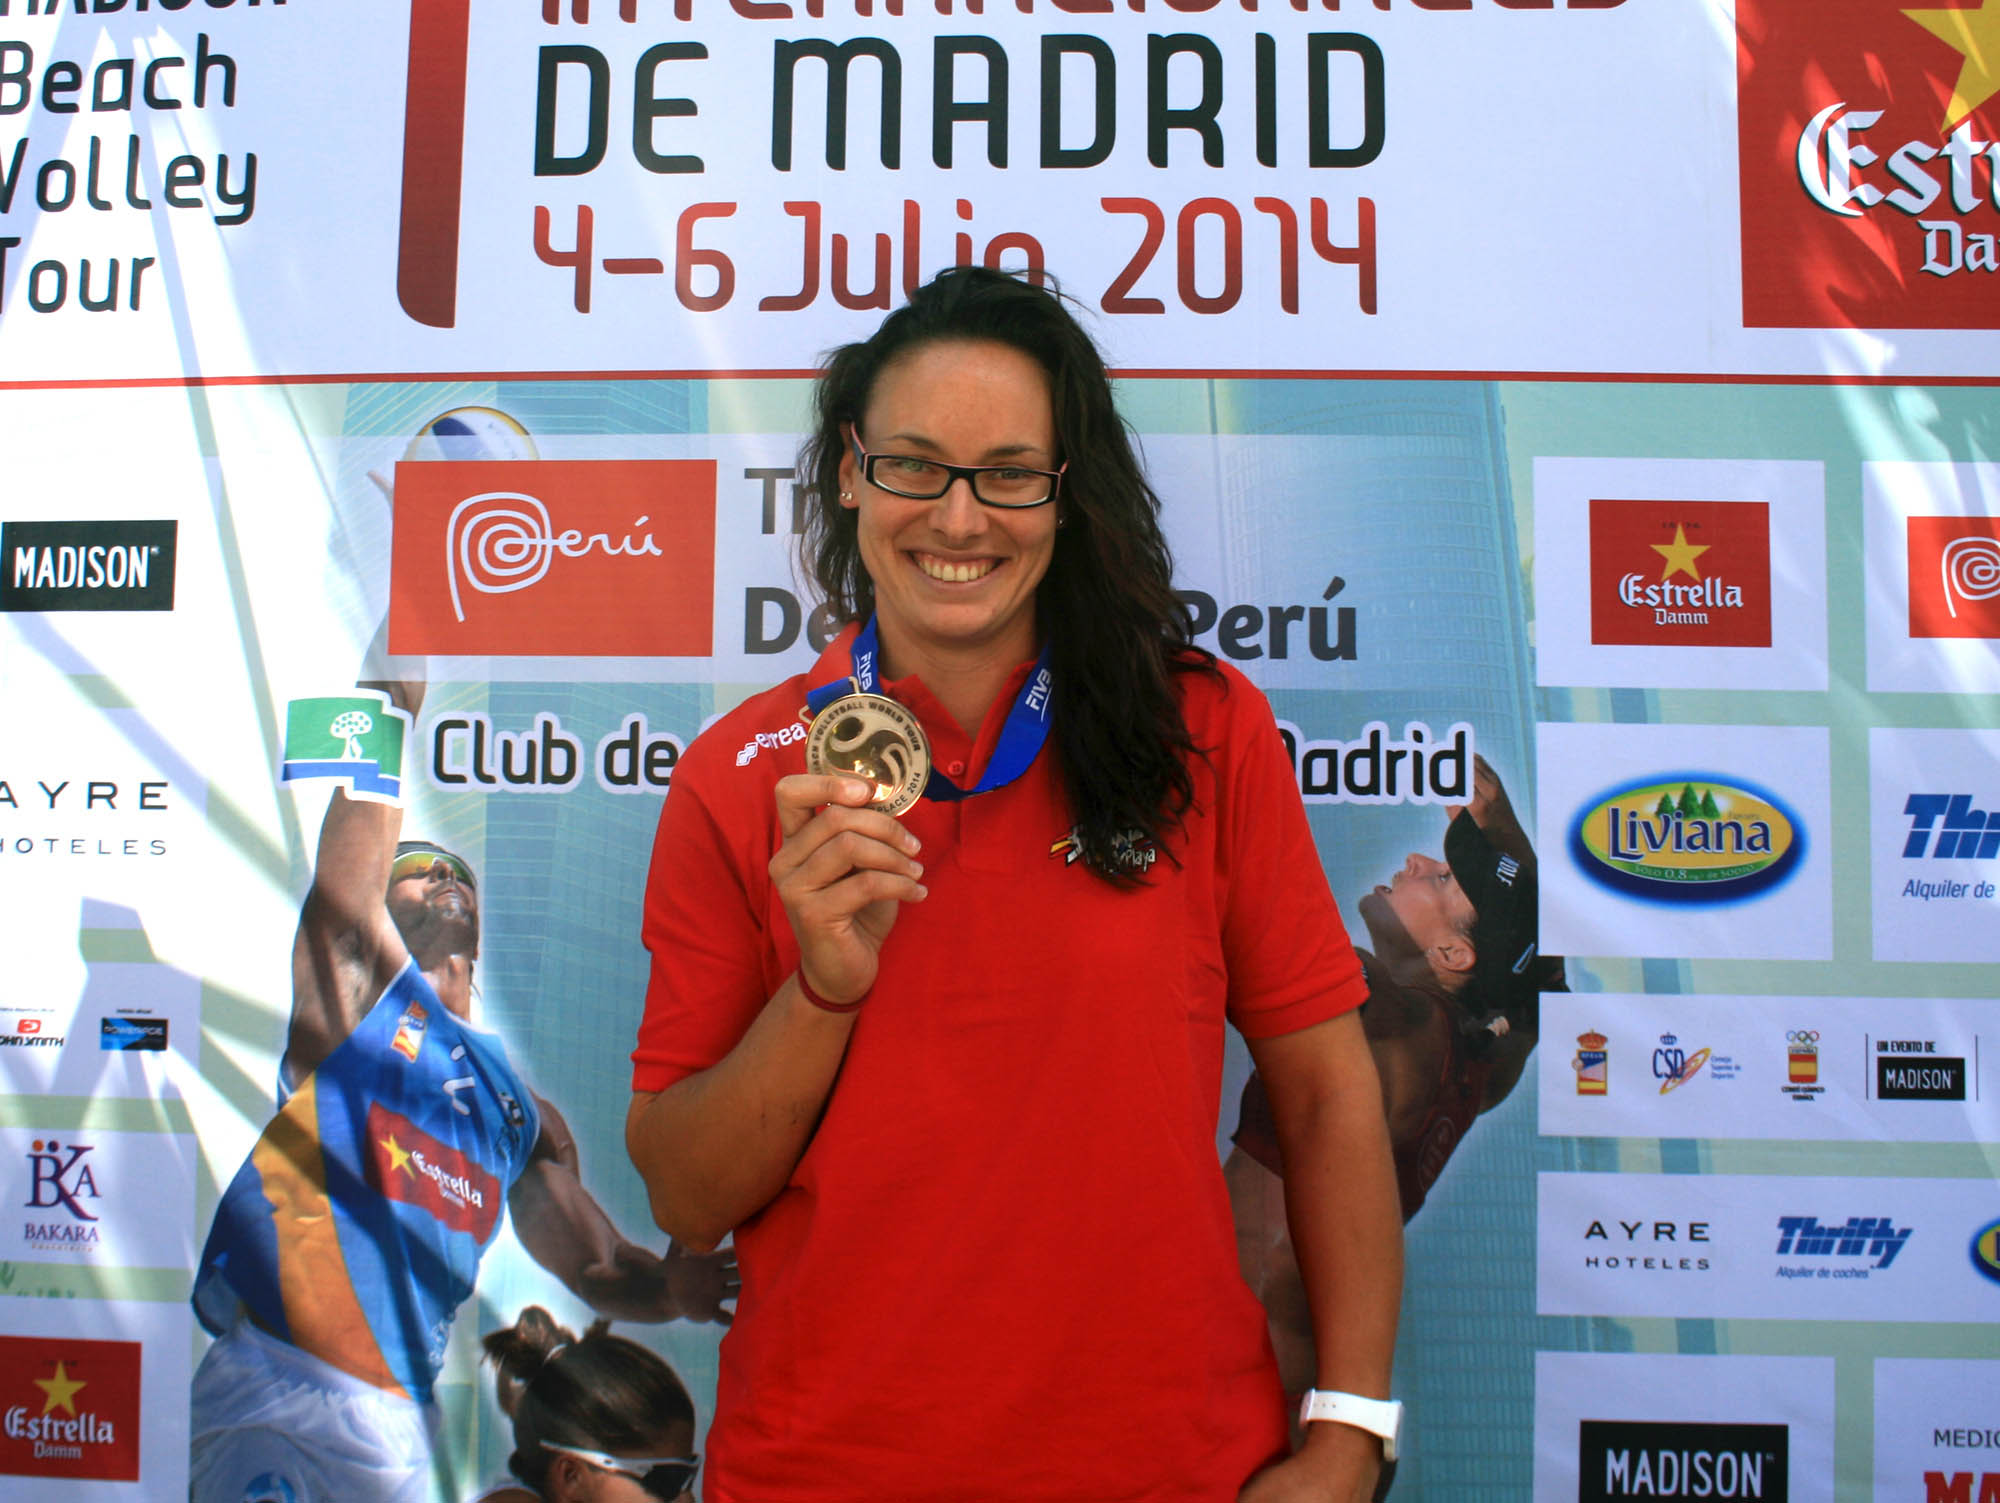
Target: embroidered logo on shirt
(1131, 850)
(784, 736)
(410, 1031)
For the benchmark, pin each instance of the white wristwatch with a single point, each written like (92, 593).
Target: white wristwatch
(1383, 1417)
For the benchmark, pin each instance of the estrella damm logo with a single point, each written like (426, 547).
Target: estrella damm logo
(1687, 838)
(1986, 1250)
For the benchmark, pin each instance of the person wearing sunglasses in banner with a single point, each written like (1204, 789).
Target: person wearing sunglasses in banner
(597, 1420)
(1453, 1013)
(952, 1078)
(343, 1247)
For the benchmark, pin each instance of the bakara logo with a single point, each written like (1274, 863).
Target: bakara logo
(554, 557)
(1680, 573)
(1865, 133)
(1687, 838)
(69, 1408)
(1954, 576)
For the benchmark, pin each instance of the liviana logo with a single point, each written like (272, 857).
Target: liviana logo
(1687, 838)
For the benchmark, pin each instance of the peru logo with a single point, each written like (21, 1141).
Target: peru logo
(1687, 838)
(554, 558)
(1865, 135)
(1680, 573)
(1954, 576)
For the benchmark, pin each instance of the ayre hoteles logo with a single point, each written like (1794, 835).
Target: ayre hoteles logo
(554, 558)
(69, 1408)
(1864, 129)
(1687, 838)
(87, 566)
(1680, 573)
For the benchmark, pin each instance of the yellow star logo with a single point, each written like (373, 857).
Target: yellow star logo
(1976, 34)
(1680, 554)
(61, 1390)
(399, 1156)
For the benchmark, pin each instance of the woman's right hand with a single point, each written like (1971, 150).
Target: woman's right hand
(841, 873)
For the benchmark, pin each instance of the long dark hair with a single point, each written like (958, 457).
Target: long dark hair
(602, 1392)
(1117, 633)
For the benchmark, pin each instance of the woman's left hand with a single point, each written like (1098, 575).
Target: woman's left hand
(1337, 1464)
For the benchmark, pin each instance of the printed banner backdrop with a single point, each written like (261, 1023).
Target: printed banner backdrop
(1599, 389)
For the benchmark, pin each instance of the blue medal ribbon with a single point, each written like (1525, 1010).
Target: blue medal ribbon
(1021, 737)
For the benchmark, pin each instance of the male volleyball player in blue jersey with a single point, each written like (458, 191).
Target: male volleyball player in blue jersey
(347, 1241)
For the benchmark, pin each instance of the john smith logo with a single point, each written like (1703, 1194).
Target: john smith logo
(1986, 1250)
(1864, 132)
(1686, 838)
(1865, 1238)
(1954, 576)
(1686, 573)
(549, 557)
(1674, 1066)
(357, 739)
(71, 1408)
(87, 566)
(30, 1033)
(1683, 1459)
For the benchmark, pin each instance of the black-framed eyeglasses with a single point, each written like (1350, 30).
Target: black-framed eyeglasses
(661, 1476)
(1011, 486)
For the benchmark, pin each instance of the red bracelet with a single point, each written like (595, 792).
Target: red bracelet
(806, 991)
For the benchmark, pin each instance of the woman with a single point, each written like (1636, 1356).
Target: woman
(601, 1420)
(952, 1078)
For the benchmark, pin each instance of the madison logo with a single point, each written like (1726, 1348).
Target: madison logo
(69, 1409)
(87, 566)
(1683, 1459)
(1688, 838)
(1955, 576)
(1680, 573)
(408, 1165)
(554, 557)
(1865, 132)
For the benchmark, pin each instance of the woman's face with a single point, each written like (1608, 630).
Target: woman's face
(953, 574)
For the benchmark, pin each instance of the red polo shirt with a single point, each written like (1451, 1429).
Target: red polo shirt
(1004, 1269)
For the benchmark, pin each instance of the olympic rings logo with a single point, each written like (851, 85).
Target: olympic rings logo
(1803, 1036)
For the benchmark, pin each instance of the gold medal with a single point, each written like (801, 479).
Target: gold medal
(871, 737)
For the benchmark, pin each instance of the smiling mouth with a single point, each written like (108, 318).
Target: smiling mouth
(950, 571)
